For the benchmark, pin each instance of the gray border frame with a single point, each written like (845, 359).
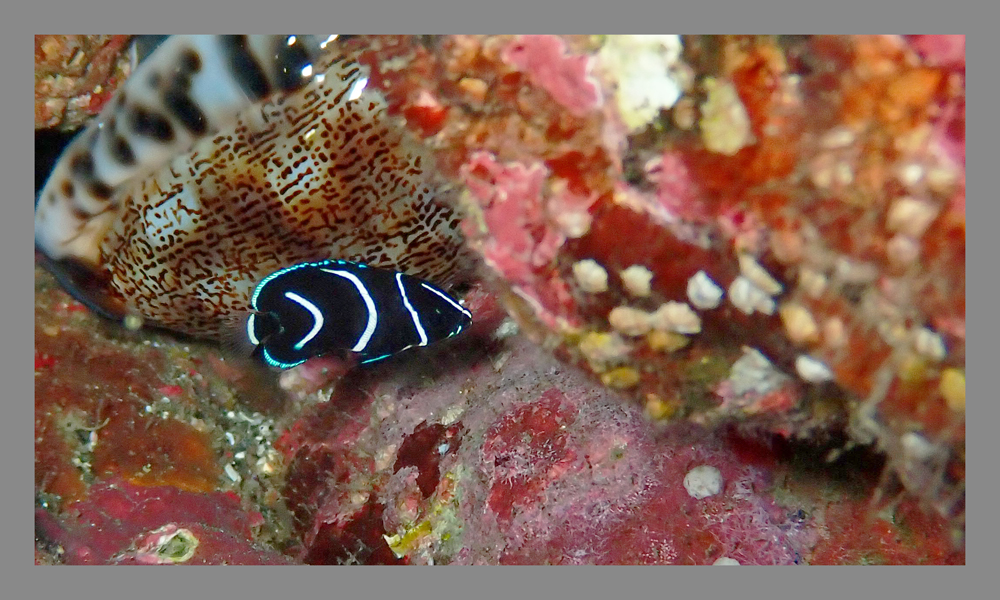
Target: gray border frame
(451, 17)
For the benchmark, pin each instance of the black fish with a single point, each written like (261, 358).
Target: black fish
(316, 308)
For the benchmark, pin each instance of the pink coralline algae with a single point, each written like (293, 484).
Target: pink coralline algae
(521, 245)
(544, 59)
(817, 181)
(120, 523)
(521, 465)
(944, 50)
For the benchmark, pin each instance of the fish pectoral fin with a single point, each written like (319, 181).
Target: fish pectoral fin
(233, 336)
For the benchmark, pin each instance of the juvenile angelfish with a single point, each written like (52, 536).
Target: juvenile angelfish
(315, 308)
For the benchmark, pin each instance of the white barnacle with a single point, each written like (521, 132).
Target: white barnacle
(834, 333)
(603, 349)
(703, 481)
(812, 370)
(749, 298)
(170, 545)
(851, 272)
(590, 276)
(636, 280)
(677, 317)
(648, 74)
(703, 292)
(753, 373)
(629, 321)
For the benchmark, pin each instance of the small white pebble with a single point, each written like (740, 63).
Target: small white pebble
(753, 373)
(636, 280)
(834, 333)
(591, 276)
(508, 328)
(799, 323)
(812, 282)
(758, 275)
(940, 179)
(812, 370)
(902, 250)
(677, 317)
(749, 298)
(703, 292)
(911, 174)
(452, 414)
(725, 561)
(843, 174)
(703, 481)
(231, 472)
(725, 126)
(265, 466)
(910, 216)
(629, 321)
(851, 272)
(838, 137)
(916, 447)
(604, 348)
(929, 344)
(821, 171)
(133, 322)
(575, 224)
(385, 457)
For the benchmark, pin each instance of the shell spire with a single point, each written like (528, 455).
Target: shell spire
(189, 87)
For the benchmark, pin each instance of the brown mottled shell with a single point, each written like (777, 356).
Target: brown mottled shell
(309, 176)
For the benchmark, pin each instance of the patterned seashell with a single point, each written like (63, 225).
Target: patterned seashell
(190, 87)
(321, 172)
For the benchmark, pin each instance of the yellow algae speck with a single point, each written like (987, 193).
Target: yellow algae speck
(952, 387)
(621, 378)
